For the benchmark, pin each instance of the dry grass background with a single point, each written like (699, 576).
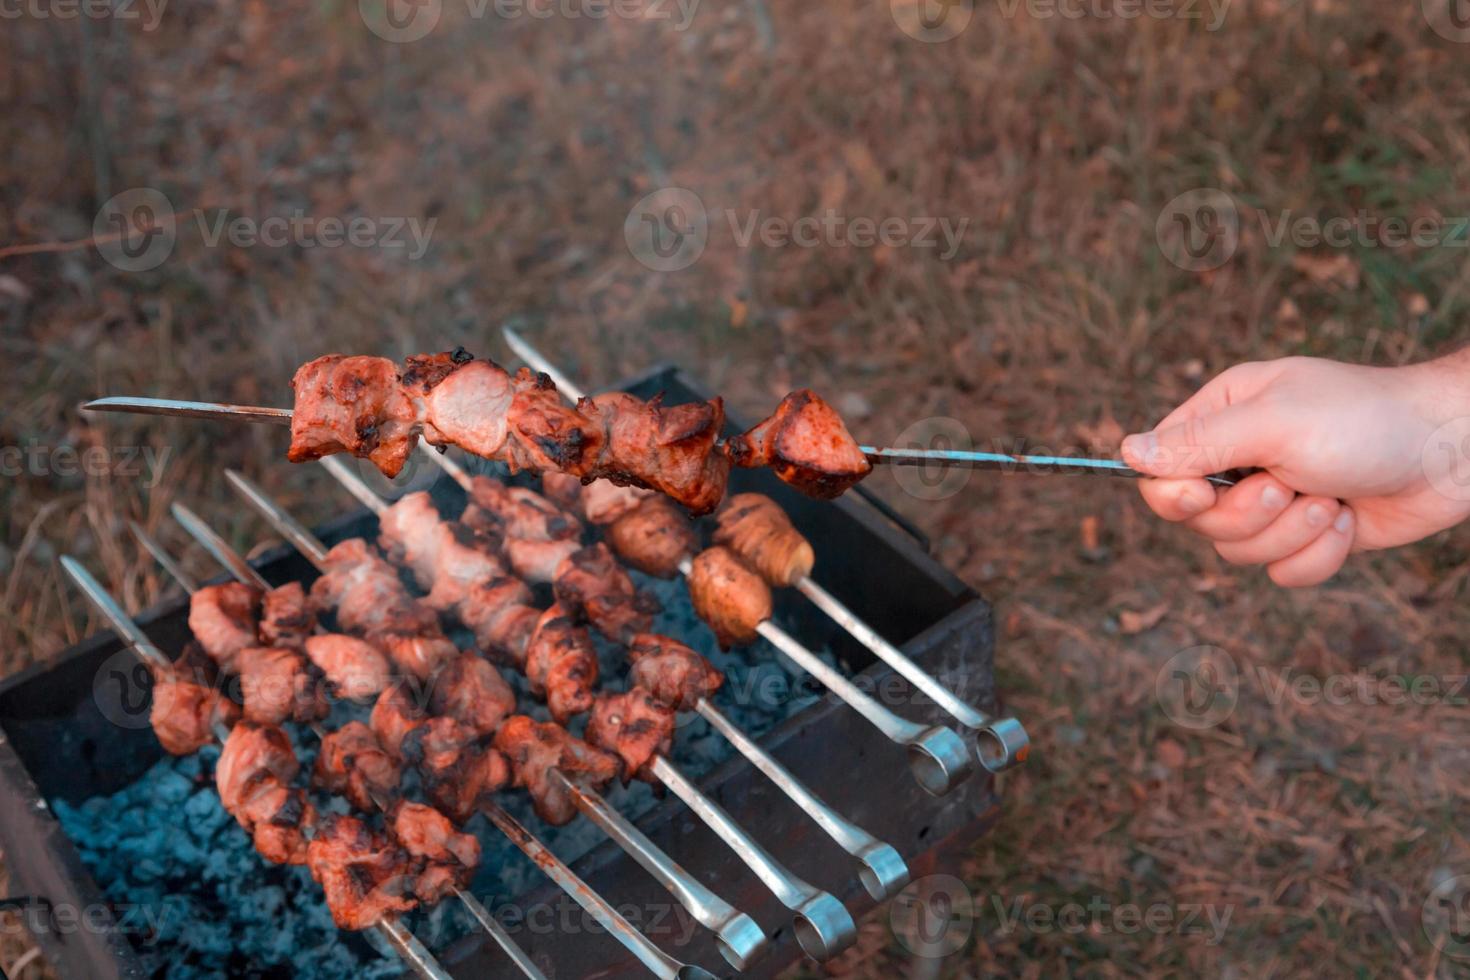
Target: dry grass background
(1322, 828)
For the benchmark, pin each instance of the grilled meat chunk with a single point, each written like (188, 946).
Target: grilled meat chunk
(354, 405)
(517, 512)
(224, 620)
(444, 858)
(354, 763)
(396, 713)
(458, 767)
(286, 619)
(277, 685)
(470, 409)
(253, 777)
(728, 595)
(366, 595)
(535, 748)
(405, 533)
(470, 690)
(417, 654)
(590, 581)
(356, 669)
(602, 501)
(670, 450)
(671, 672)
(501, 616)
(635, 727)
(187, 705)
(537, 561)
(365, 875)
(806, 444)
(756, 528)
(653, 537)
(561, 664)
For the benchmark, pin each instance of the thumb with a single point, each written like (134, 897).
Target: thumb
(1232, 436)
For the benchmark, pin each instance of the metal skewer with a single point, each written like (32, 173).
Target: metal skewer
(823, 924)
(246, 573)
(877, 455)
(938, 757)
(741, 939)
(407, 945)
(884, 873)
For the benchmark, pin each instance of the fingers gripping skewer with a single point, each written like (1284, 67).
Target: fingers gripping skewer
(823, 924)
(740, 939)
(884, 872)
(246, 573)
(404, 942)
(938, 757)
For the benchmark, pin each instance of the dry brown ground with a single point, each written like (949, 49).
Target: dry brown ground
(1321, 827)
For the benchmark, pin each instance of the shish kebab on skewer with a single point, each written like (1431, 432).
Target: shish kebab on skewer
(731, 598)
(673, 676)
(563, 774)
(354, 758)
(755, 528)
(823, 925)
(366, 764)
(271, 796)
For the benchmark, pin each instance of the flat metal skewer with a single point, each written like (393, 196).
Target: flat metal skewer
(877, 455)
(247, 574)
(405, 943)
(938, 758)
(883, 873)
(738, 937)
(742, 938)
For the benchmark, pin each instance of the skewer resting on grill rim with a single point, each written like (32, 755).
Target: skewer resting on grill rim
(740, 940)
(823, 925)
(404, 942)
(939, 758)
(246, 574)
(738, 937)
(883, 872)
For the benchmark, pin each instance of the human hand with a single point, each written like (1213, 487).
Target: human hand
(1346, 455)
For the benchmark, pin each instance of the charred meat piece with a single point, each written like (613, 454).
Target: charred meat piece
(562, 489)
(355, 668)
(547, 434)
(224, 620)
(470, 408)
(277, 685)
(535, 748)
(354, 405)
(674, 674)
(561, 664)
(537, 561)
(405, 533)
(396, 713)
(653, 538)
(466, 558)
(470, 690)
(671, 450)
(591, 582)
(365, 593)
(353, 763)
(285, 618)
(602, 501)
(365, 875)
(253, 777)
(417, 654)
(517, 512)
(633, 726)
(501, 616)
(444, 858)
(187, 705)
(807, 444)
(756, 528)
(729, 595)
(458, 767)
